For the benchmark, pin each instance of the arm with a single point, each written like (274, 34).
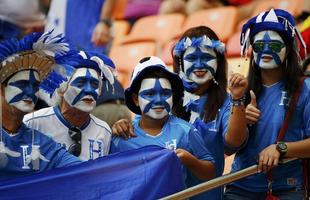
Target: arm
(200, 168)
(101, 34)
(123, 128)
(237, 127)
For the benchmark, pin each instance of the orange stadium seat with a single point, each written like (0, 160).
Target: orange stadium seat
(295, 7)
(127, 56)
(119, 9)
(159, 28)
(222, 20)
(233, 46)
(120, 29)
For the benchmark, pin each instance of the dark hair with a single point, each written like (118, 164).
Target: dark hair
(216, 93)
(291, 70)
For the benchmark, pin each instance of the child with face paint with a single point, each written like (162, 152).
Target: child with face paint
(26, 65)
(152, 94)
(70, 123)
(273, 79)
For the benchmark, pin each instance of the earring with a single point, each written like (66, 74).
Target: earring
(215, 81)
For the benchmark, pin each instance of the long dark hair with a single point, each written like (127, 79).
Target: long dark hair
(291, 70)
(216, 93)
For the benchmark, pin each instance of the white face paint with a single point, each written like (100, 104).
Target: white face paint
(155, 97)
(200, 64)
(21, 90)
(269, 49)
(83, 89)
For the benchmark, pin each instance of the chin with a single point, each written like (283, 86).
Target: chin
(85, 107)
(24, 108)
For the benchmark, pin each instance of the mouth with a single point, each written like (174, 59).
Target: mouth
(266, 58)
(158, 109)
(200, 73)
(88, 100)
(27, 101)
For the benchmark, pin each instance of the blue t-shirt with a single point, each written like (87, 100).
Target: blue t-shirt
(53, 155)
(272, 103)
(175, 134)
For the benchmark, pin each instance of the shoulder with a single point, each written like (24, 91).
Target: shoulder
(178, 122)
(45, 112)
(100, 123)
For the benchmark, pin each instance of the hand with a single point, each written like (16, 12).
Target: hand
(252, 113)
(101, 34)
(237, 85)
(123, 128)
(268, 158)
(184, 156)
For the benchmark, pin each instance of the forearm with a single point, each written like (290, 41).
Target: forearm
(107, 9)
(299, 149)
(202, 169)
(237, 129)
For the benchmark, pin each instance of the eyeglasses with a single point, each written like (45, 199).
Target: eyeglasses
(273, 46)
(76, 135)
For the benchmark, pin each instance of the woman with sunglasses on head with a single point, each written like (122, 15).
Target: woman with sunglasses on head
(275, 84)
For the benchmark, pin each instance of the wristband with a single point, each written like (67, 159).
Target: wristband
(107, 21)
(237, 102)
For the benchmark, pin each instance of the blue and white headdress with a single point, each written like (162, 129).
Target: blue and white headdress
(37, 51)
(203, 41)
(277, 20)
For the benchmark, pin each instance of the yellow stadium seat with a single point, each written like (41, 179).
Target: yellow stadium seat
(127, 56)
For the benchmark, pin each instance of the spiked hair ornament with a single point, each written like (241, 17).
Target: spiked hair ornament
(276, 20)
(203, 41)
(37, 51)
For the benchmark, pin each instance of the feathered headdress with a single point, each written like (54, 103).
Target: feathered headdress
(277, 20)
(37, 51)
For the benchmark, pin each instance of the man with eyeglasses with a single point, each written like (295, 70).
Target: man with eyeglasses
(26, 65)
(70, 123)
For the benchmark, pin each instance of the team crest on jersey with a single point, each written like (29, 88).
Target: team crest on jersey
(285, 100)
(172, 145)
(95, 147)
(33, 158)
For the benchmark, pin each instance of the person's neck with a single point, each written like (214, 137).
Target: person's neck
(202, 89)
(12, 118)
(271, 76)
(152, 126)
(73, 115)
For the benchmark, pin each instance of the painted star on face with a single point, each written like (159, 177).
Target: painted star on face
(28, 87)
(199, 61)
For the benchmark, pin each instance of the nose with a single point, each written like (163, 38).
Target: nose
(158, 98)
(88, 88)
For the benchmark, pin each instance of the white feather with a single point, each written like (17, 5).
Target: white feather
(104, 69)
(50, 45)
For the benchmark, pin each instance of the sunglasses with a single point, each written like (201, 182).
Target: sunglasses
(274, 46)
(76, 135)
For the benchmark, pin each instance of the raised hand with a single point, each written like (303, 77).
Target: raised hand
(123, 128)
(237, 85)
(252, 113)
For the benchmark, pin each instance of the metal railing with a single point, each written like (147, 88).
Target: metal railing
(217, 182)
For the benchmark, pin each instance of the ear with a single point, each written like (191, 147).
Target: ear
(135, 99)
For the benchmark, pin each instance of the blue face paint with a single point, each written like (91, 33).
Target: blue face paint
(88, 85)
(268, 46)
(156, 97)
(28, 87)
(199, 61)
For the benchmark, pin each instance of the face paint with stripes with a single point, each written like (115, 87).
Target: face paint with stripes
(21, 90)
(155, 97)
(268, 49)
(200, 64)
(83, 89)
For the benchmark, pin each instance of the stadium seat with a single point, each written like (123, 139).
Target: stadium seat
(165, 55)
(158, 28)
(120, 29)
(295, 7)
(222, 20)
(119, 10)
(127, 56)
(233, 46)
